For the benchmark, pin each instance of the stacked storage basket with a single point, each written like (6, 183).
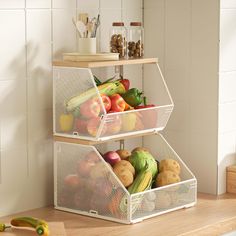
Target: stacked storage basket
(101, 194)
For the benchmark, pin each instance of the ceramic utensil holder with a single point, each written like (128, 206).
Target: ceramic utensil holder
(87, 45)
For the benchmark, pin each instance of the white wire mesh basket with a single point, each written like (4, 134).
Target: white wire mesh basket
(85, 184)
(75, 90)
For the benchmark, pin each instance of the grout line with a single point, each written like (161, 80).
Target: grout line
(0, 152)
(122, 12)
(144, 53)
(27, 94)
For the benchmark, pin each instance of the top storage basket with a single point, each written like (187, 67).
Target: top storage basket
(75, 90)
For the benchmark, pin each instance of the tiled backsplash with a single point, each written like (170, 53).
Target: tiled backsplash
(227, 95)
(201, 75)
(33, 33)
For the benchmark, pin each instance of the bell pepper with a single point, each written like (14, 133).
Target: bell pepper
(125, 82)
(133, 97)
(128, 122)
(144, 104)
(90, 108)
(3, 227)
(66, 121)
(148, 117)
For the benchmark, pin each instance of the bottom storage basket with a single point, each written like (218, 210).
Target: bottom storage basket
(86, 184)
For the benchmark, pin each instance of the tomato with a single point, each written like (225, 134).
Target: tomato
(126, 83)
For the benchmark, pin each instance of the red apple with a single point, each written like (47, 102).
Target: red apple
(81, 125)
(92, 156)
(103, 187)
(72, 181)
(106, 102)
(84, 167)
(65, 198)
(117, 103)
(100, 170)
(93, 126)
(81, 200)
(90, 108)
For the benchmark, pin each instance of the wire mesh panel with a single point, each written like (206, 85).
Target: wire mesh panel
(122, 123)
(165, 199)
(86, 184)
(79, 111)
(76, 96)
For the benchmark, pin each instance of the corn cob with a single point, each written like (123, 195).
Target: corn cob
(40, 226)
(142, 182)
(107, 89)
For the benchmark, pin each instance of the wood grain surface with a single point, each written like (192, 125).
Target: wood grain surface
(209, 211)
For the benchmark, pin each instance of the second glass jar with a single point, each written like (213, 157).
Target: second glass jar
(135, 40)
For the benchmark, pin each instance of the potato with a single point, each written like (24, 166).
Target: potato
(169, 164)
(147, 205)
(163, 200)
(123, 164)
(166, 177)
(124, 154)
(139, 149)
(125, 176)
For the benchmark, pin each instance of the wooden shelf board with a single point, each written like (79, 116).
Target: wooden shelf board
(91, 142)
(93, 64)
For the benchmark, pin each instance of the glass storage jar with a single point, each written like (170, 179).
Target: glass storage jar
(118, 39)
(135, 40)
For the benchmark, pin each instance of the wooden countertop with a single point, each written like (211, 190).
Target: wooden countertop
(208, 211)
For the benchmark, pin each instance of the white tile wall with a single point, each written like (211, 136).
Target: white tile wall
(12, 64)
(226, 157)
(12, 4)
(107, 17)
(227, 117)
(177, 27)
(227, 84)
(38, 3)
(227, 40)
(14, 177)
(154, 26)
(38, 38)
(66, 41)
(37, 31)
(227, 98)
(203, 154)
(111, 4)
(227, 4)
(65, 4)
(88, 4)
(184, 35)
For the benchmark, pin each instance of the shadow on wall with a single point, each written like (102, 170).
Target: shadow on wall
(20, 127)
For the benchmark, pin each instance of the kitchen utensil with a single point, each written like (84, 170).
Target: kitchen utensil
(74, 23)
(83, 17)
(82, 28)
(97, 24)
